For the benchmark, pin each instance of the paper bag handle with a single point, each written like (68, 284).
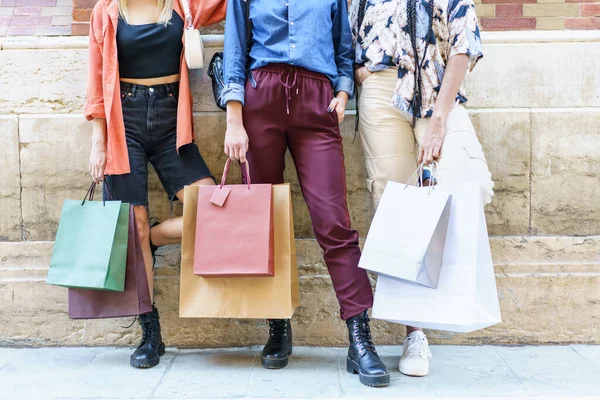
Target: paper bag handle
(246, 172)
(434, 167)
(90, 193)
(89, 196)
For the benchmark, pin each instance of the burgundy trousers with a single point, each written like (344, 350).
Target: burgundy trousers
(288, 109)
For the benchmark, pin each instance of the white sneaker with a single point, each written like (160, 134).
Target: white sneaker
(415, 355)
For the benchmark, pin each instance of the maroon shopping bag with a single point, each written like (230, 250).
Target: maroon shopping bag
(135, 300)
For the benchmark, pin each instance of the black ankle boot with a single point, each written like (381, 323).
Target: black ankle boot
(278, 349)
(148, 353)
(362, 356)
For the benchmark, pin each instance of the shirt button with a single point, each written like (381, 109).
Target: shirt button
(287, 4)
(292, 23)
(293, 46)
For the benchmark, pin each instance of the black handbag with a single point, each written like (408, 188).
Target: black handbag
(216, 69)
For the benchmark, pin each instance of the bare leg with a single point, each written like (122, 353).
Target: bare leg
(171, 230)
(141, 219)
(168, 232)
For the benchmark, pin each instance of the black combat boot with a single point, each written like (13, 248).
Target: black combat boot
(362, 356)
(278, 349)
(148, 353)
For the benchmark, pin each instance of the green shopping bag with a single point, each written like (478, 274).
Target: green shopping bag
(90, 250)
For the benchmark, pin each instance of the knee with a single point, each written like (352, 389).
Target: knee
(143, 232)
(141, 221)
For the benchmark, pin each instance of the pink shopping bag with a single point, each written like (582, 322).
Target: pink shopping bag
(234, 229)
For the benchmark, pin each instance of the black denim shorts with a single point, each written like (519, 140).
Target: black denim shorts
(150, 116)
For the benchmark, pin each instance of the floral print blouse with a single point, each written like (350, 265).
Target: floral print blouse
(383, 41)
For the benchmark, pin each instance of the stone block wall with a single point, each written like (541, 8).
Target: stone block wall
(534, 101)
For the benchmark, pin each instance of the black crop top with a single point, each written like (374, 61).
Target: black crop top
(149, 50)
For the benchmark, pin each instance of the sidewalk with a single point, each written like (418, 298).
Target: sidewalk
(457, 372)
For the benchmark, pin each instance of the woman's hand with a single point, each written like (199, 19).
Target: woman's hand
(236, 142)
(434, 138)
(97, 162)
(361, 74)
(236, 138)
(338, 104)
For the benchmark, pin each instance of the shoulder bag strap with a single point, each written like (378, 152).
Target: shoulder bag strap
(188, 15)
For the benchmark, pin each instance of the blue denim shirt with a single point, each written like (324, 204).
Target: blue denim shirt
(313, 34)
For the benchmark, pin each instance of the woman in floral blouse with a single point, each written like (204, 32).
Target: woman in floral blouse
(411, 59)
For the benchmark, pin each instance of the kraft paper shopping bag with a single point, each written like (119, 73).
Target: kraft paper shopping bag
(135, 300)
(234, 229)
(90, 250)
(466, 298)
(273, 297)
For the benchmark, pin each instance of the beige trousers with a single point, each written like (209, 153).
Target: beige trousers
(390, 143)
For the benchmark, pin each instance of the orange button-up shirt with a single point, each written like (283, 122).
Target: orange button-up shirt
(103, 99)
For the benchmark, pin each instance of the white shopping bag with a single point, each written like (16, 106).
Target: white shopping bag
(407, 235)
(466, 298)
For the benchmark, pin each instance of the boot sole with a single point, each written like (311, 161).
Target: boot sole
(152, 362)
(276, 363)
(368, 380)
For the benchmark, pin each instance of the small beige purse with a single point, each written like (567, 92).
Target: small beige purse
(194, 49)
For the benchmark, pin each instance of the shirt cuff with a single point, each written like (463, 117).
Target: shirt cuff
(232, 92)
(474, 56)
(345, 84)
(92, 111)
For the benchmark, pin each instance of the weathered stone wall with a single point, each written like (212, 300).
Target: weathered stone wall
(534, 99)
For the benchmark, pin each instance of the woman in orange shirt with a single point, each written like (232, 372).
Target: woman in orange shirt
(140, 102)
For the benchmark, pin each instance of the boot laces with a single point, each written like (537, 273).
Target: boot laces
(278, 329)
(362, 335)
(132, 322)
(149, 332)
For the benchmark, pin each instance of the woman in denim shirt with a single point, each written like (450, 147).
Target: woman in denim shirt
(290, 92)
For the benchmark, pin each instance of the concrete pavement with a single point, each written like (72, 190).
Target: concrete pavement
(457, 372)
